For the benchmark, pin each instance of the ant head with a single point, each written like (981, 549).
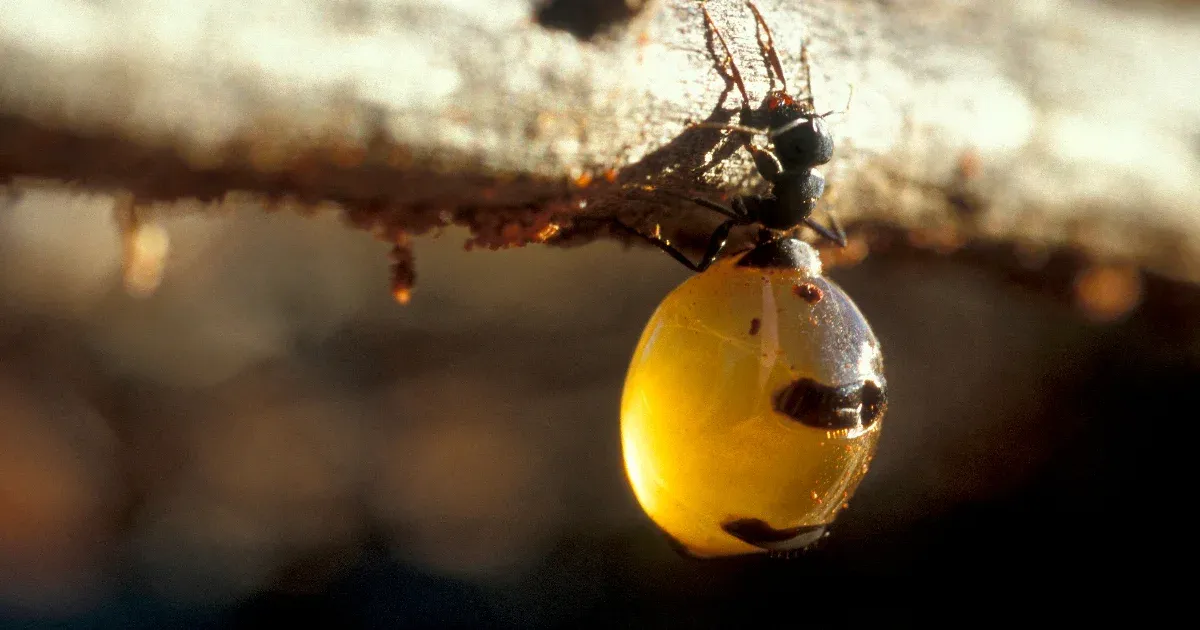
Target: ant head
(801, 138)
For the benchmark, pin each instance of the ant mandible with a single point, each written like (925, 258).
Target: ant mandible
(801, 142)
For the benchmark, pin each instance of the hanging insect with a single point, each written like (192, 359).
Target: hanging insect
(753, 403)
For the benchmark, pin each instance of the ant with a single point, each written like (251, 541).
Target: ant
(801, 142)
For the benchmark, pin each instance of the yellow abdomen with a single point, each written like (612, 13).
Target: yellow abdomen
(751, 409)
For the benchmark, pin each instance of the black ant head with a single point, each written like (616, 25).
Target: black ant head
(799, 134)
(796, 194)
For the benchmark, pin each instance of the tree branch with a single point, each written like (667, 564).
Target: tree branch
(1041, 127)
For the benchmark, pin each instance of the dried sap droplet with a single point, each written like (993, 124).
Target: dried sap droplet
(735, 435)
(145, 258)
(808, 292)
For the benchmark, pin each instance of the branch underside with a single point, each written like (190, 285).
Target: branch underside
(974, 126)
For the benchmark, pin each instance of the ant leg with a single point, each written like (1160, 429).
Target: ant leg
(741, 209)
(719, 209)
(836, 235)
(659, 243)
(750, 207)
(728, 61)
(769, 50)
(715, 244)
(837, 225)
(715, 207)
(766, 162)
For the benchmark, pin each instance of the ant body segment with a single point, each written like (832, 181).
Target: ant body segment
(800, 140)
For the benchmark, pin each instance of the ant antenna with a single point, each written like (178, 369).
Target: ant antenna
(806, 118)
(846, 109)
(804, 59)
(769, 49)
(836, 235)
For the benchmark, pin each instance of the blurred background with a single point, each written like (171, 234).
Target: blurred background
(269, 437)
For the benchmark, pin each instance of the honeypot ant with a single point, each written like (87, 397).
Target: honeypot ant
(801, 142)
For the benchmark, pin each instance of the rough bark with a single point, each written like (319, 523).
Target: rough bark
(1028, 127)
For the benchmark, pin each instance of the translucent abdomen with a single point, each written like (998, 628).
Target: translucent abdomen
(751, 409)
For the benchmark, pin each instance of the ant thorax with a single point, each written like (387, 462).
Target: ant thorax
(795, 193)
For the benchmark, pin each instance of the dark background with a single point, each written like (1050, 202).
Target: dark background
(269, 437)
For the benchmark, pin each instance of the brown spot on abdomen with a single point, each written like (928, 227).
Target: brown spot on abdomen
(808, 292)
(756, 532)
(755, 324)
(858, 405)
